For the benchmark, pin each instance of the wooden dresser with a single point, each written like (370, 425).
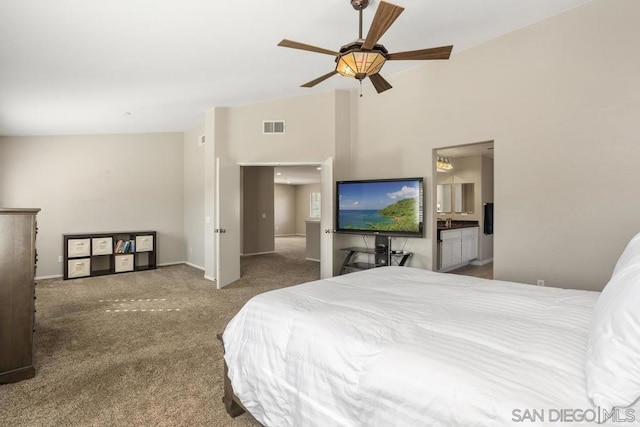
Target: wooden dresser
(17, 293)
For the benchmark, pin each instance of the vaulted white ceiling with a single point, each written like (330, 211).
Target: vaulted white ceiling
(118, 66)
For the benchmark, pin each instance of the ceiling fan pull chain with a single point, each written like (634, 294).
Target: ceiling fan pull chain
(360, 88)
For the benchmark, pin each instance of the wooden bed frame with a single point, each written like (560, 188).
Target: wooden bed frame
(231, 402)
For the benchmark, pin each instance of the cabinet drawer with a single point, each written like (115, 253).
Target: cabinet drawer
(144, 243)
(124, 263)
(78, 247)
(102, 245)
(450, 234)
(78, 267)
(473, 231)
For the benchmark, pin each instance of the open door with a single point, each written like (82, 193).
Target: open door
(227, 224)
(326, 221)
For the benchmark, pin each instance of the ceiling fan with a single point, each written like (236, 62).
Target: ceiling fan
(364, 57)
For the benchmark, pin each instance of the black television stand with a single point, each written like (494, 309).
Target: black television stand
(382, 255)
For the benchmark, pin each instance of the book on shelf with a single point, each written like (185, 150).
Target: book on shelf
(125, 247)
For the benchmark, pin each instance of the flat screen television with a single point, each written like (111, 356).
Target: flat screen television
(392, 207)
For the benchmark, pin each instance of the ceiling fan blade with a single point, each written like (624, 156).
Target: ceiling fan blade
(385, 16)
(442, 52)
(312, 83)
(379, 83)
(302, 46)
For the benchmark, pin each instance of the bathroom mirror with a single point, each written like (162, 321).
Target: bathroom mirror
(443, 198)
(463, 198)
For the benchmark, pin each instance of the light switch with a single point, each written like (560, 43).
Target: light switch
(264, 215)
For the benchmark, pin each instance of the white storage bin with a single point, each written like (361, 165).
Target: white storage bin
(78, 247)
(102, 245)
(144, 243)
(79, 267)
(124, 263)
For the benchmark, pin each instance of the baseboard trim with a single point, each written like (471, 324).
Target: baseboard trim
(213, 279)
(483, 262)
(194, 266)
(312, 259)
(259, 253)
(166, 264)
(53, 276)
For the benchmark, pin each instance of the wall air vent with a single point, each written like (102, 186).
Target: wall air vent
(273, 126)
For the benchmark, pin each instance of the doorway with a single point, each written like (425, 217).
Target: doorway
(297, 209)
(463, 187)
(326, 221)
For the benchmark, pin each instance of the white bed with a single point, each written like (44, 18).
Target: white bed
(398, 346)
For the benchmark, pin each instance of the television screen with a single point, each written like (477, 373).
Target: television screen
(385, 206)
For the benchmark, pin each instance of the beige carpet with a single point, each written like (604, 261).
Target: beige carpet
(140, 349)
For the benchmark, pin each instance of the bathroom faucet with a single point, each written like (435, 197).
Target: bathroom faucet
(447, 221)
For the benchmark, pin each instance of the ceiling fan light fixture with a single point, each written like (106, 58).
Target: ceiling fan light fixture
(359, 64)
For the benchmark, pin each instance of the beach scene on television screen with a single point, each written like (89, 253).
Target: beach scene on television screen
(392, 206)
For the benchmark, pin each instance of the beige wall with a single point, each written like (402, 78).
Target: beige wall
(99, 183)
(292, 208)
(309, 135)
(258, 209)
(194, 197)
(285, 209)
(303, 193)
(559, 98)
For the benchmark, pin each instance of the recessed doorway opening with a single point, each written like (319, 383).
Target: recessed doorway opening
(463, 217)
(280, 218)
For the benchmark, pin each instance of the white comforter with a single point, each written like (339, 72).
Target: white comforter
(398, 346)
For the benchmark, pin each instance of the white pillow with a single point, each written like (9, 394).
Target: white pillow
(613, 353)
(630, 257)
